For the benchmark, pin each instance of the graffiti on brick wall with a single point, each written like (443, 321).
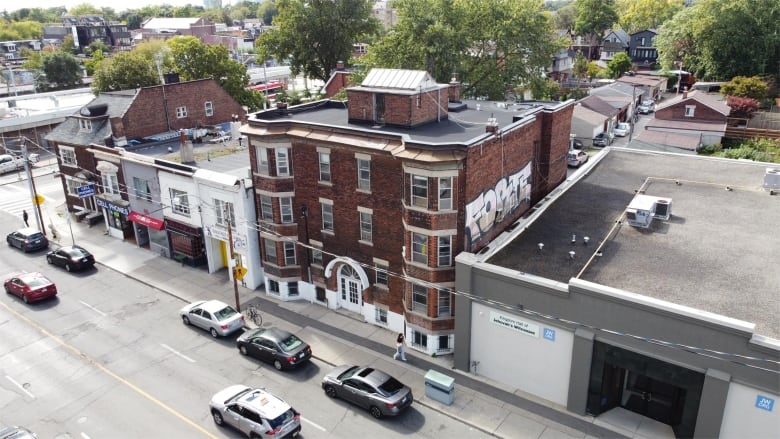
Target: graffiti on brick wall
(492, 206)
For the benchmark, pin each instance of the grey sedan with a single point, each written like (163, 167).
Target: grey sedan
(279, 347)
(369, 388)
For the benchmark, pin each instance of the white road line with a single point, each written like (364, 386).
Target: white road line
(313, 424)
(20, 387)
(84, 435)
(92, 308)
(175, 352)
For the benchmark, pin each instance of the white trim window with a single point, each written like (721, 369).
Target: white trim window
(270, 251)
(73, 185)
(282, 162)
(273, 287)
(420, 191)
(381, 275)
(262, 161)
(419, 339)
(327, 217)
(68, 156)
(289, 253)
(690, 110)
(420, 299)
(380, 315)
(181, 112)
(420, 248)
(292, 289)
(445, 251)
(142, 189)
(324, 167)
(316, 256)
(224, 211)
(180, 202)
(444, 305)
(266, 208)
(364, 174)
(366, 226)
(445, 193)
(285, 206)
(110, 183)
(85, 125)
(208, 106)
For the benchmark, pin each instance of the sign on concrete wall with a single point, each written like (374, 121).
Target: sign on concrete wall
(514, 323)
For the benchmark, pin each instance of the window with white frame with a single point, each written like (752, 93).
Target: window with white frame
(316, 256)
(419, 298)
(445, 251)
(419, 248)
(444, 304)
(445, 193)
(209, 107)
(327, 217)
(366, 225)
(110, 183)
(419, 339)
(444, 342)
(270, 251)
(285, 206)
(73, 185)
(181, 112)
(292, 289)
(690, 110)
(420, 191)
(85, 125)
(224, 212)
(180, 202)
(262, 161)
(142, 189)
(289, 253)
(273, 286)
(68, 156)
(380, 315)
(381, 275)
(364, 174)
(282, 162)
(324, 166)
(266, 208)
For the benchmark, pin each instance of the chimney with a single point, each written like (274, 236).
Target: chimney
(453, 93)
(340, 66)
(685, 93)
(492, 124)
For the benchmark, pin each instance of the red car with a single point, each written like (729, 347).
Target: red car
(31, 287)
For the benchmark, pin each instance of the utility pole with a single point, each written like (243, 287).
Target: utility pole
(233, 263)
(33, 193)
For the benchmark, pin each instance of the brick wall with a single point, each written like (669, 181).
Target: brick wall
(702, 112)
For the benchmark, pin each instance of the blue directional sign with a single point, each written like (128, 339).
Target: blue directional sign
(87, 190)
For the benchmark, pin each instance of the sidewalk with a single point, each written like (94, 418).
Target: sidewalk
(339, 337)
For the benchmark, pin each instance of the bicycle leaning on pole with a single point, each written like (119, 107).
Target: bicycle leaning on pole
(253, 314)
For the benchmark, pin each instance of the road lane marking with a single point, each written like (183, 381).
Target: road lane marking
(175, 352)
(313, 424)
(110, 373)
(13, 381)
(92, 308)
(85, 435)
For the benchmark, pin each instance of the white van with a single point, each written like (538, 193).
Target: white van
(9, 163)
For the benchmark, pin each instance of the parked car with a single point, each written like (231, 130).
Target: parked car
(577, 144)
(16, 433)
(622, 129)
(645, 109)
(219, 318)
(27, 239)
(72, 257)
(254, 412)
(31, 287)
(9, 163)
(369, 388)
(276, 346)
(576, 158)
(602, 139)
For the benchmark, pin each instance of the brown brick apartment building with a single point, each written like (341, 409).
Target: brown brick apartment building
(364, 204)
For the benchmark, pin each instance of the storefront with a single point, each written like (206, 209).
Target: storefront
(115, 213)
(187, 243)
(150, 233)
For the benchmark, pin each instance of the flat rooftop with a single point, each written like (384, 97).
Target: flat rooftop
(718, 252)
(461, 127)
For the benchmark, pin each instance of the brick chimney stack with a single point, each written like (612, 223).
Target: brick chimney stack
(685, 93)
(492, 125)
(453, 93)
(340, 66)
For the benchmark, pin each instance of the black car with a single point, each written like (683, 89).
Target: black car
(72, 257)
(27, 239)
(602, 139)
(279, 347)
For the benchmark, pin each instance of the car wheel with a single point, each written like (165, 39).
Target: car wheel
(277, 365)
(185, 320)
(243, 350)
(49, 260)
(330, 391)
(375, 412)
(7, 290)
(68, 268)
(214, 333)
(217, 416)
(24, 297)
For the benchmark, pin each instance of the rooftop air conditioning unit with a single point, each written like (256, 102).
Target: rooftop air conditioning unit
(772, 178)
(643, 209)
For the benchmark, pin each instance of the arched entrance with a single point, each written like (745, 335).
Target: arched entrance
(351, 280)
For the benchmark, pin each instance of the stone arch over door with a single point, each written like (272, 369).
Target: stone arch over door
(351, 281)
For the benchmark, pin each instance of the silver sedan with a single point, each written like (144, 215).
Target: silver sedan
(369, 388)
(219, 318)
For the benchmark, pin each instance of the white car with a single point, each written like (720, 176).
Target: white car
(622, 129)
(576, 157)
(219, 318)
(254, 412)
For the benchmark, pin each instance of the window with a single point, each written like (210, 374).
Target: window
(110, 183)
(273, 286)
(381, 275)
(292, 289)
(289, 253)
(181, 112)
(316, 256)
(445, 193)
(68, 156)
(180, 202)
(270, 251)
(282, 162)
(285, 205)
(444, 304)
(419, 248)
(690, 110)
(364, 174)
(262, 161)
(85, 125)
(445, 251)
(325, 166)
(419, 191)
(73, 185)
(209, 107)
(419, 298)
(142, 190)
(365, 226)
(266, 208)
(224, 212)
(444, 342)
(380, 315)
(419, 339)
(327, 217)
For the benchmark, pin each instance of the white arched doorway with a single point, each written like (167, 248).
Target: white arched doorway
(351, 280)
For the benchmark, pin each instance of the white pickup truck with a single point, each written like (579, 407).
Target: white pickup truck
(9, 163)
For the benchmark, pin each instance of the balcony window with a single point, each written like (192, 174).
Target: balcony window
(419, 248)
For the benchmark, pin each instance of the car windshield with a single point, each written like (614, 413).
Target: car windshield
(282, 419)
(290, 343)
(76, 252)
(225, 313)
(390, 387)
(348, 373)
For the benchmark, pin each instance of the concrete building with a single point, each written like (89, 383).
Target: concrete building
(648, 284)
(363, 204)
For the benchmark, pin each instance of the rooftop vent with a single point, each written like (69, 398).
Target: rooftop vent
(643, 209)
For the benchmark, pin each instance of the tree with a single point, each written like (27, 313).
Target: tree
(62, 69)
(68, 45)
(580, 68)
(314, 35)
(636, 15)
(742, 107)
(125, 71)
(619, 65)
(84, 9)
(20, 30)
(565, 17)
(593, 18)
(593, 70)
(745, 87)
(267, 11)
(92, 63)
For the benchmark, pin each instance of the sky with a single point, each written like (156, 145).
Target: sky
(118, 6)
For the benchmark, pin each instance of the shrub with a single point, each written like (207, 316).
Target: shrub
(742, 107)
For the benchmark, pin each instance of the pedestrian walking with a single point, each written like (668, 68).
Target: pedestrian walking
(399, 348)
(26, 218)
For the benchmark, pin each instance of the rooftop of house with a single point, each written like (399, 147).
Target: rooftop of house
(717, 253)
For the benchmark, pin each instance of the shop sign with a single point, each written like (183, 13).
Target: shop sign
(147, 221)
(765, 403)
(112, 207)
(549, 334)
(239, 240)
(514, 323)
(87, 190)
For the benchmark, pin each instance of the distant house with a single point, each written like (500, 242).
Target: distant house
(562, 63)
(89, 29)
(641, 49)
(607, 110)
(339, 80)
(165, 28)
(587, 124)
(615, 41)
(695, 114)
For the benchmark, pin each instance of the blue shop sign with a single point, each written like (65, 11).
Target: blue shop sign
(765, 403)
(112, 207)
(549, 334)
(87, 190)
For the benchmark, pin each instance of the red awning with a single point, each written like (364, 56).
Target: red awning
(147, 221)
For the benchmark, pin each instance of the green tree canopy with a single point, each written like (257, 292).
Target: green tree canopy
(125, 71)
(636, 15)
(20, 30)
(62, 69)
(580, 68)
(745, 87)
(619, 65)
(84, 9)
(593, 18)
(565, 17)
(314, 35)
